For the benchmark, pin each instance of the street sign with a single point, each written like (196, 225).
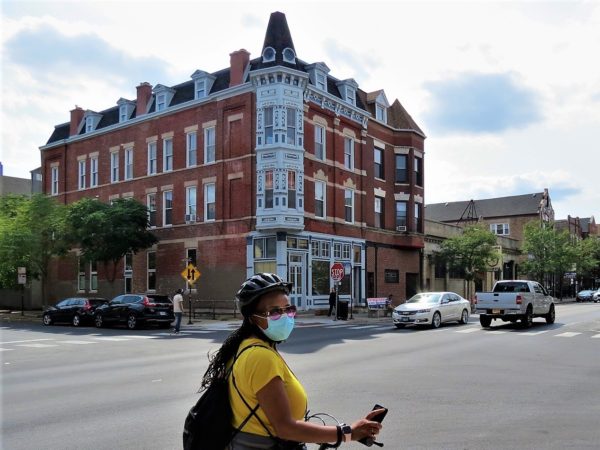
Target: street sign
(191, 273)
(22, 275)
(337, 271)
(570, 275)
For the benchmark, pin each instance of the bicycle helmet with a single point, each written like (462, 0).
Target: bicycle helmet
(260, 284)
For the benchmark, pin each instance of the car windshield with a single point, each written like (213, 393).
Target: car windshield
(424, 298)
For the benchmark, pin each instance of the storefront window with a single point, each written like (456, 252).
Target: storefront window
(320, 277)
(265, 266)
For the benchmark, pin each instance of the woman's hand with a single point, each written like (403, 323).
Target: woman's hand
(366, 427)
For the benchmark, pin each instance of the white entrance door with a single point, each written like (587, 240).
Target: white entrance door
(296, 276)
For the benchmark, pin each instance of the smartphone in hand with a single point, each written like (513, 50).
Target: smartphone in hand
(368, 441)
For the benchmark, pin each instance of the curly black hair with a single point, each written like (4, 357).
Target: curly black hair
(218, 361)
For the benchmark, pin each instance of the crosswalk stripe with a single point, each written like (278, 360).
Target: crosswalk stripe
(78, 342)
(495, 332)
(597, 336)
(22, 342)
(533, 333)
(567, 334)
(363, 327)
(135, 336)
(469, 330)
(6, 349)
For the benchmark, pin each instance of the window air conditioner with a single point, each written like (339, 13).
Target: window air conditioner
(401, 228)
(190, 218)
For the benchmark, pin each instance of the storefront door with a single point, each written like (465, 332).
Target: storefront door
(296, 271)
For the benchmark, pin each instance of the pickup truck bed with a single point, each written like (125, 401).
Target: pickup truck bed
(513, 300)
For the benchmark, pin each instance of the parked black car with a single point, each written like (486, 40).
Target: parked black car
(74, 310)
(135, 310)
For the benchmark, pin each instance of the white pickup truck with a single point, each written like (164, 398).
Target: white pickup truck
(512, 300)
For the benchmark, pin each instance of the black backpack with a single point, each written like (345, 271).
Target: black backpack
(208, 424)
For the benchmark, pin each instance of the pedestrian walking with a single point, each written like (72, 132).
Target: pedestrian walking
(332, 298)
(178, 309)
(269, 403)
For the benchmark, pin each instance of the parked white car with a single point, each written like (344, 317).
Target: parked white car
(596, 296)
(433, 309)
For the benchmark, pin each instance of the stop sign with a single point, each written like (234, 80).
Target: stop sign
(337, 271)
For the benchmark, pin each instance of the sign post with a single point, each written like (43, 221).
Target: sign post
(190, 274)
(337, 273)
(22, 280)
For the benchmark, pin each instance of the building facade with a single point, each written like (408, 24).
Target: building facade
(271, 164)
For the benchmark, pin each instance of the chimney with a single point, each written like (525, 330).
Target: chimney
(76, 118)
(238, 61)
(144, 93)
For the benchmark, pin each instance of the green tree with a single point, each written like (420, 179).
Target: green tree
(32, 232)
(107, 232)
(549, 252)
(470, 252)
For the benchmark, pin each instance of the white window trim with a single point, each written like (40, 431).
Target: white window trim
(167, 157)
(323, 143)
(351, 206)
(198, 90)
(321, 84)
(94, 171)
(324, 185)
(381, 153)
(82, 171)
(149, 270)
(188, 149)
(164, 208)
(161, 102)
(207, 132)
(206, 202)
(93, 274)
(351, 141)
(54, 180)
(128, 172)
(351, 95)
(191, 209)
(114, 167)
(149, 206)
(152, 145)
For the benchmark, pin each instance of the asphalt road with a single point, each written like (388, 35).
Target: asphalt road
(459, 387)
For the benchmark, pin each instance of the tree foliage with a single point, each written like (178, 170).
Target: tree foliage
(32, 232)
(107, 232)
(549, 251)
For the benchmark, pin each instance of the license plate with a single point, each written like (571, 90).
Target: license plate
(496, 311)
(405, 319)
(162, 313)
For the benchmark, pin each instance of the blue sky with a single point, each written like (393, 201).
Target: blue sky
(508, 93)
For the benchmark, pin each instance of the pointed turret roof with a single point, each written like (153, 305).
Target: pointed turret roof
(278, 33)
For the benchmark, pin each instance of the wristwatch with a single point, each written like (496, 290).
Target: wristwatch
(346, 432)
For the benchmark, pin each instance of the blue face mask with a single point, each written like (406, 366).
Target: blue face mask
(280, 329)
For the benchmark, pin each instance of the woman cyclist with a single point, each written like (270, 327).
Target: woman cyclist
(261, 378)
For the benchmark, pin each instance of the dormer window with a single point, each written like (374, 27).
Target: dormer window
(268, 54)
(92, 120)
(318, 75)
(126, 108)
(163, 97)
(289, 56)
(203, 82)
(161, 102)
(200, 88)
(381, 113)
(350, 95)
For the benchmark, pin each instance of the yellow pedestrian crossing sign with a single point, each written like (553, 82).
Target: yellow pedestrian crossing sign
(191, 273)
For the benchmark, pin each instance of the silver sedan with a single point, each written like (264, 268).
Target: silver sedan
(432, 309)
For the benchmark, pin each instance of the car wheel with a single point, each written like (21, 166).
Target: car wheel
(551, 316)
(485, 321)
(76, 321)
(132, 322)
(47, 319)
(99, 321)
(399, 326)
(527, 320)
(436, 321)
(464, 318)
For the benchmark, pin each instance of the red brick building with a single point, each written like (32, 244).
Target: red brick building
(271, 164)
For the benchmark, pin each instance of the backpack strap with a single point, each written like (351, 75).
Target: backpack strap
(252, 410)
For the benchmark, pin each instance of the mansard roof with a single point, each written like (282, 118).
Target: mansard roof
(398, 117)
(516, 205)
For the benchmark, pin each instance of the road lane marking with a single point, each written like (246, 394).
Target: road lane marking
(533, 333)
(27, 340)
(338, 326)
(495, 332)
(78, 342)
(469, 330)
(37, 345)
(134, 336)
(112, 339)
(567, 334)
(6, 349)
(597, 336)
(363, 327)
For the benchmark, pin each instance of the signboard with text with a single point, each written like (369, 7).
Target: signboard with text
(337, 271)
